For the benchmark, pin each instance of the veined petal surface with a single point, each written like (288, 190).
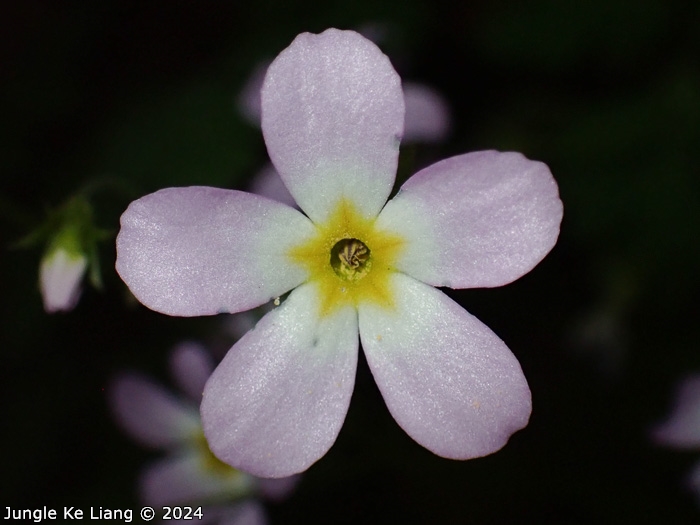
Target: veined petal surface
(332, 117)
(447, 379)
(277, 401)
(150, 414)
(202, 251)
(482, 219)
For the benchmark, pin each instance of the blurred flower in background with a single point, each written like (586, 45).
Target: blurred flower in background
(60, 276)
(189, 474)
(71, 238)
(681, 429)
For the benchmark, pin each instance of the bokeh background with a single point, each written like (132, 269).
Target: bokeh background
(606, 92)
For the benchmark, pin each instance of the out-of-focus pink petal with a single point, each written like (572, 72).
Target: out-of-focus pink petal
(427, 115)
(191, 365)
(693, 482)
(248, 512)
(277, 489)
(237, 325)
(277, 401)
(477, 220)
(447, 379)
(249, 99)
(682, 428)
(202, 251)
(150, 414)
(332, 117)
(178, 480)
(268, 183)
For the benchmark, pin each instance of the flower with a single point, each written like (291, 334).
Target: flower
(60, 277)
(71, 250)
(189, 474)
(332, 118)
(682, 428)
(427, 119)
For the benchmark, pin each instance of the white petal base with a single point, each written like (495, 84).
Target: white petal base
(277, 401)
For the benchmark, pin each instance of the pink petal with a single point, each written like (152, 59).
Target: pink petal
(186, 479)
(447, 379)
(150, 414)
(202, 251)
(477, 220)
(427, 115)
(682, 428)
(249, 99)
(332, 117)
(191, 365)
(248, 512)
(693, 481)
(277, 489)
(277, 401)
(237, 325)
(268, 183)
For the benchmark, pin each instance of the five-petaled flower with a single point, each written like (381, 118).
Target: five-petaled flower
(332, 118)
(189, 474)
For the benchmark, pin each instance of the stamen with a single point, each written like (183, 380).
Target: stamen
(350, 259)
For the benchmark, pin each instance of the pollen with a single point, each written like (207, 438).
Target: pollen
(349, 260)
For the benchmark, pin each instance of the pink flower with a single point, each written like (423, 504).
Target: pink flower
(189, 473)
(332, 118)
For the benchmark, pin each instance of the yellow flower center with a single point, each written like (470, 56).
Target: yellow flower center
(349, 260)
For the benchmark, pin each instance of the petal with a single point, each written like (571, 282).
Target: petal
(332, 117)
(427, 115)
(693, 481)
(202, 251)
(682, 428)
(249, 99)
(277, 401)
(191, 365)
(447, 379)
(185, 479)
(477, 220)
(60, 277)
(277, 489)
(150, 414)
(237, 325)
(248, 512)
(268, 183)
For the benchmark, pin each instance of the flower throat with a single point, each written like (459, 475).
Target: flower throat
(350, 259)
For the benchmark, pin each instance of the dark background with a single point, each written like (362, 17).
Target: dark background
(606, 92)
